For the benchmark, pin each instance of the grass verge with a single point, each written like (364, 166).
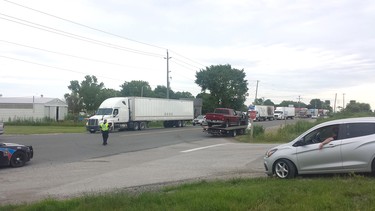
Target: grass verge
(27, 130)
(351, 192)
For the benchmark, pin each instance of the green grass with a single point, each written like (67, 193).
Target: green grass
(351, 192)
(320, 193)
(27, 130)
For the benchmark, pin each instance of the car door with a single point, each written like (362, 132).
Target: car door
(358, 146)
(311, 159)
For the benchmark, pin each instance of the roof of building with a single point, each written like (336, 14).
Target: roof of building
(37, 100)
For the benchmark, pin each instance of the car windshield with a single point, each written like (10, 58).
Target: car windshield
(104, 111)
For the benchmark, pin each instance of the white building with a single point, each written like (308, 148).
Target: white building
(32, 108)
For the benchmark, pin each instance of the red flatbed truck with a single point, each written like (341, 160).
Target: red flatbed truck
(219, 130)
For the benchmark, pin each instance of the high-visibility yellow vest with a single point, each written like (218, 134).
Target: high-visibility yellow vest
(104, 127)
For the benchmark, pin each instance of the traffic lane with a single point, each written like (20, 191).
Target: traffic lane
(51, 149)
(210, 158)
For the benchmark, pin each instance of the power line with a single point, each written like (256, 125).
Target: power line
(74, 36)
(83, 25)
(69, 55)
(59, 68)
(102, 31)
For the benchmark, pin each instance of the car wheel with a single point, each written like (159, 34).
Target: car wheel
(284, 169)
(373, 168)
(18, 159)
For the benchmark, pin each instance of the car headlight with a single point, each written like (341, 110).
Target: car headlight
(270, 152)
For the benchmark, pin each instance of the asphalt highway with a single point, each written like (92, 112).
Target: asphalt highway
(67, 165)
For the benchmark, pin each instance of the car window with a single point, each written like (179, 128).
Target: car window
(320, 134)
(359, 129)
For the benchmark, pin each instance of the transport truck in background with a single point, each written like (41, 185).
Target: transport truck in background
(264, 112)
(285, 113)
(135, 113)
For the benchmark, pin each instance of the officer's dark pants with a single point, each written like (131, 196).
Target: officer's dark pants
(105, 137)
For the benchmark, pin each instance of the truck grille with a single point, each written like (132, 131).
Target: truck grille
(92, 122)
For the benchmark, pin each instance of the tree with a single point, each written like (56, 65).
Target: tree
(261, 101)
(286, 103)
(107, 93)
(354, 107)
(136, 88)
(179, 95)
(209, 103)
(75, 103)
(161, 92)
(84, 95)
(226, 85)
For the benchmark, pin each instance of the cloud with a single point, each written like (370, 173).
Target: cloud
(294, 49)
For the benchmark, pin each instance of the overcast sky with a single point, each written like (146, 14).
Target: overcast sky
(303, 49)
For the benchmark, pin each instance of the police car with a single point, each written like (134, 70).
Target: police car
(15, 155)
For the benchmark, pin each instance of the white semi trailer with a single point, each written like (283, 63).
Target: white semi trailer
(136, 112)
(285, 113)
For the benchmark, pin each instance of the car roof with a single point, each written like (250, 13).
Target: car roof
(349, 120)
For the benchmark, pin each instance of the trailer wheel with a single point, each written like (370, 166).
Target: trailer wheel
(135, 126)
(142, 126)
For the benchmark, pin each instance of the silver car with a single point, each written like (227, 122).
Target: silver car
(350, 147)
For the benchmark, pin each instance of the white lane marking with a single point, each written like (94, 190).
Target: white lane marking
(199, 148)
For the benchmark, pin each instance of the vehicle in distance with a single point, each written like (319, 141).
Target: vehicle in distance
(135, 113)
(199, 120)
(352, 150)
(224, 117)
(285, 113)
(1, 127)
(15, 155)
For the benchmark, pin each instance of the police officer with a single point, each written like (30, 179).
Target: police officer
(104, 127)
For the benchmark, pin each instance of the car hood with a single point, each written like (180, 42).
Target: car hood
(11, 145)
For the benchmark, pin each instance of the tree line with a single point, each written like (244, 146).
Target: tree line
(221, 86)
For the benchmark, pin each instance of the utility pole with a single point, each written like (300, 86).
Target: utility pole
(343, 101)
(167, 73)
(334, 106)
(256, 92)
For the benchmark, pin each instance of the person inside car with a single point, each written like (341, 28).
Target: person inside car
(329, 139)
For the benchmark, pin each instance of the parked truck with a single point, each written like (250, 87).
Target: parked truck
(224, 117)
(264, 112)
(285, 113)
(136, 112)
(226, 121)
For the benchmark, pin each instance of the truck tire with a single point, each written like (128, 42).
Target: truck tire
(234, 133)
(178, 123)
(142, 125)
(135, 126)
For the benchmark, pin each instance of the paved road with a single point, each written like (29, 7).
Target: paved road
(66, 165)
